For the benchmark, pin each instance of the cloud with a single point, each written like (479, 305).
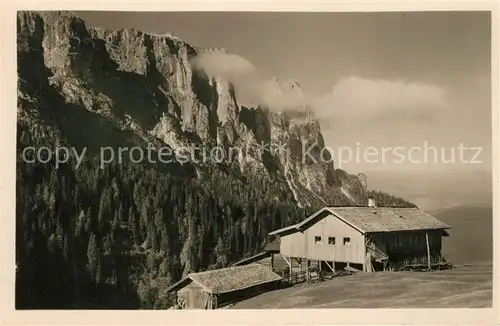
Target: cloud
(355, 97)
(351, 98)
(223, 64)
(251, 87)
(283, 95)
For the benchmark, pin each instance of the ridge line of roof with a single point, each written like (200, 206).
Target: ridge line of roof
(353, 225)
(225, 268)
(445, 225)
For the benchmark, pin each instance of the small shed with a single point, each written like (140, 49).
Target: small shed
(216, 288)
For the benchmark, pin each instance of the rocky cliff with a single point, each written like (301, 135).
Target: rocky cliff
(92, 87)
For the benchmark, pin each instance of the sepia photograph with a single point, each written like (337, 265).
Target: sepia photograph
(208, 160)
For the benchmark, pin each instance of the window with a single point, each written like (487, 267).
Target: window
(331, 240)
(401, 240)
(317, 239)
(347, 240)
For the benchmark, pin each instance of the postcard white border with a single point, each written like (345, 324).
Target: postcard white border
(9, 316)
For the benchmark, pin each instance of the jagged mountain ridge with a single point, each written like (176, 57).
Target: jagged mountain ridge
(126, 87)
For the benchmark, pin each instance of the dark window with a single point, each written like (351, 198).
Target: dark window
(317, 239)
(401, 241)
(331, 240)
(414, 240)
(347, 240)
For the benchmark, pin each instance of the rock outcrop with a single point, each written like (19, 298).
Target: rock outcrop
(93, 87)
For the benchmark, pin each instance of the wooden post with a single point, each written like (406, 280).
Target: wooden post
(289, 262)
(307, 270)
(368, 262)
(332, 268)
(209, 301)
(272, 261)
(428, 251)
(365, 263)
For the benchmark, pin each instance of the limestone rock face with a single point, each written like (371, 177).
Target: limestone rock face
(94, 87)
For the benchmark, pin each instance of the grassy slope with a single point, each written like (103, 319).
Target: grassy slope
(463, 286)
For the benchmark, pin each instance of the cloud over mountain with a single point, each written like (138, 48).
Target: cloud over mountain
(350, 97)
(252, 87)
(355, 97)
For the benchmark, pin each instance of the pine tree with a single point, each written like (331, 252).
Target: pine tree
(89, 223)
(92, 256)
(221, 253)
(99, 273)
(104, 208)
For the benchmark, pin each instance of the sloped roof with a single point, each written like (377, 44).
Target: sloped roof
(286, 228)
(273, 246)
(230, 279)
(297, 227)
(375, 219)
(252, 259)
(387, 219)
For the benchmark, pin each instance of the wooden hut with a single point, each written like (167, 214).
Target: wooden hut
(364, 238)
(216, 288)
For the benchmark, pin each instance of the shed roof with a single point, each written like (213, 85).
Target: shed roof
(273, 246)
(388, 219)
(229, 279)
(284, 229)
(254, 258)
(375, 219)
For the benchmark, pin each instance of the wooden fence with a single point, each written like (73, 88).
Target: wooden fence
(294, 277)
(315, 275)
(423, 263)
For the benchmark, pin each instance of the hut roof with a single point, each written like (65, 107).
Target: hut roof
(229, 279)
(388, 219)
(253, 258)
(273, 246)
(284, 229)
(375, 219)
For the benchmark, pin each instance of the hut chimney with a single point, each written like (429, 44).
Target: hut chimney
(371, 202)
